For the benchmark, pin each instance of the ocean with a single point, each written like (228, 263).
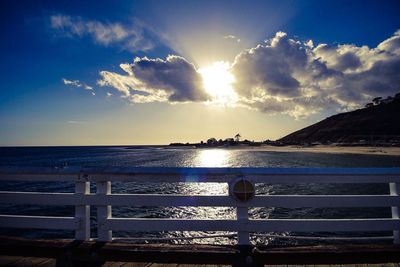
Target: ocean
(146, 156)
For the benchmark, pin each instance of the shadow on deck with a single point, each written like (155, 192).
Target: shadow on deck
(90, 253)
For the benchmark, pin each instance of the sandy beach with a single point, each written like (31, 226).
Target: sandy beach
(391, 151)
(334, 149)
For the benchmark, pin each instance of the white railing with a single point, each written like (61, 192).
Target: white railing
(103, 200)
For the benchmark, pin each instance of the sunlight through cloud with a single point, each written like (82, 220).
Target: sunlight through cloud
(218, 80)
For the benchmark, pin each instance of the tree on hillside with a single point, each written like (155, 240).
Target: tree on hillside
(211, 141)
(237, 137)
(377, 100)
(368, 105)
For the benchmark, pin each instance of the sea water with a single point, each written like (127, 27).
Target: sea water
(143, 156)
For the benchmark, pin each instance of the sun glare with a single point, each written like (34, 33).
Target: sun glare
(218, 81)
(212, 158)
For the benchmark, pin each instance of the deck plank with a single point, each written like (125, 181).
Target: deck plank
(16, 261)
(166, 265)
(25, 261)
(113, 264)
(7, 260)
(48, 263)
(119, 254)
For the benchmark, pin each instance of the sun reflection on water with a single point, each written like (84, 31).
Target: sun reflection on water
(213, 158)
(204, 158)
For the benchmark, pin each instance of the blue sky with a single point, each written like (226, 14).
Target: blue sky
(62, 82)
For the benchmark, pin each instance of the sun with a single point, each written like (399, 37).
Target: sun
(217, 81)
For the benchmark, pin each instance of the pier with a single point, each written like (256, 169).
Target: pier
(105, 247)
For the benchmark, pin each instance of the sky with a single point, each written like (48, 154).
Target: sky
(156, 72)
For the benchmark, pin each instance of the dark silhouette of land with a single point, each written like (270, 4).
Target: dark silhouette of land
(376, 124)
(227, 142)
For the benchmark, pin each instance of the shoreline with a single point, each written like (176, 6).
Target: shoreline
(330, 149)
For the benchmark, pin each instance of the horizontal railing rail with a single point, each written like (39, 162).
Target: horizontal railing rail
(103, 200)
(164, 174)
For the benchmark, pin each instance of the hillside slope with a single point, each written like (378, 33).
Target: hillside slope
(380, 123)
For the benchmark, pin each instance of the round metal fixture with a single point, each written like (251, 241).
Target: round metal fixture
(242, 189)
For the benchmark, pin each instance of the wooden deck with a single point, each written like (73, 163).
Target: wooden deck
(26, 252)
(15, 261)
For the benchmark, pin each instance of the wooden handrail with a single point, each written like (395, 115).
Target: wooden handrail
(103, 199)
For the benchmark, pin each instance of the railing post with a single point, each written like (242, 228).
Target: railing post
(395, 191)
(242, 216)
(103, 212)
(82, 213)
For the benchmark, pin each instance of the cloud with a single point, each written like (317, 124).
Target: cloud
(78, 84)
(232, 37)
(131, 38)
(156, 80)
(75, 83)
(281, 75)
(291, 76)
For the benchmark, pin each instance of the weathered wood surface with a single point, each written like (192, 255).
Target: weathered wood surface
(99, 252)
(26, 261)
(164, 174)
(14, 261)
(164, 200)
(256, 225)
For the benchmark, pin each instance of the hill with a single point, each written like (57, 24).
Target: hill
(375, 124)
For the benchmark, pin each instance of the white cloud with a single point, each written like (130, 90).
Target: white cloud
(130, 37)
(232, 37)
(78, 84)
(75, 83)
(282, 75)
(291, 76)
